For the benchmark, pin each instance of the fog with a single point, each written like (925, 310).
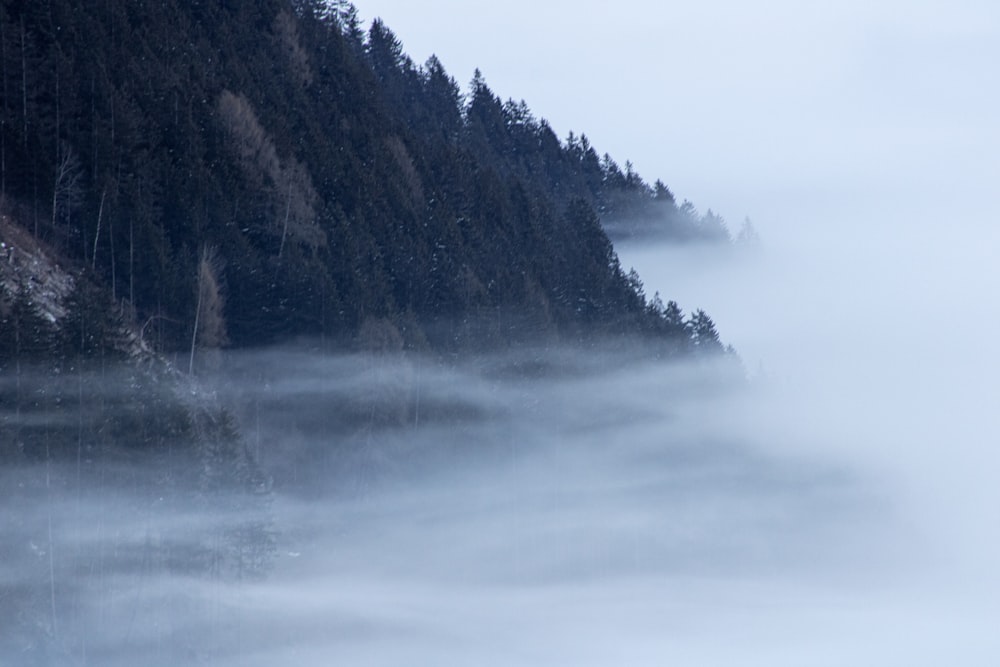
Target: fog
(551, 505)
(605, 507)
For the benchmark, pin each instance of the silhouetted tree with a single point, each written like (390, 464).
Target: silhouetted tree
(704, 336)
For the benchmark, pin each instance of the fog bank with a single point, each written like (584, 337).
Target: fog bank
(554, 506)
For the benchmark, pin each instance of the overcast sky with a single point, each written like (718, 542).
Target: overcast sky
(863, 140)
(750, 108)
(842, 513)
(861, 137)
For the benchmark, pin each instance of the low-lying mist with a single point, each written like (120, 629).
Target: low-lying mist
(554, 505)
(549, 506)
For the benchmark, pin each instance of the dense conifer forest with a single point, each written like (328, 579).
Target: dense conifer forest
(184, 176)
(268, 169)
(181, 177)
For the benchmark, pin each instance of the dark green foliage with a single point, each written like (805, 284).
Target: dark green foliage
(26, 336)
(338, 180)
(704, 337)
(91, 328)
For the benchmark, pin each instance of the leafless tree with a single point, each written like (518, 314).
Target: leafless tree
(67, 191)
(209, 331)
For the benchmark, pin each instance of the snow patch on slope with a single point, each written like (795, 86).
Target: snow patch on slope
(26, 265)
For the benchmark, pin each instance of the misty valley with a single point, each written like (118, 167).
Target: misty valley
(312, 354)
(474, 510)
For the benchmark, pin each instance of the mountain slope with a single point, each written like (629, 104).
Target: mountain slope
(244, 173)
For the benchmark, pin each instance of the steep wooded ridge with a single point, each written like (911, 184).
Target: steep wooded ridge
(179, 176)
(243, 173)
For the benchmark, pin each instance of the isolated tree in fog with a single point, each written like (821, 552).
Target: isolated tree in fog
(747, 235)
(704, 336)
(713, 227)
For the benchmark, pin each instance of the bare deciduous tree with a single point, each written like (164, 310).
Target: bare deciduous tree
(293, 196)
(67, 191)
(405, 163)
(209, 331)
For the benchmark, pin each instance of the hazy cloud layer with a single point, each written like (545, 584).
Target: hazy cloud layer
(553, 506)
(778, 109)
(841, 510)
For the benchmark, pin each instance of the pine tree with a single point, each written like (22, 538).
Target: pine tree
(704, 336)
(92, 326)
(662, 194)
(25, 335)
(673, 318)
(747, 235)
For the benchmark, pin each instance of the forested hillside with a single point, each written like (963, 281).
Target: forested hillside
(242, 173)
(182, 176)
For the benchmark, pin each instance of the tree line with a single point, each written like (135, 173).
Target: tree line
(336, 182)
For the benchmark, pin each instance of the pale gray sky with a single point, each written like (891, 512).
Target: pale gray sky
(863, 140)
(751, 108)
(844, 512)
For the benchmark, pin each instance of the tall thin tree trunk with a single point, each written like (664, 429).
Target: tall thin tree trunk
(79, 424)
(6, 110)
(94, 122)
(59, 167)
(97, 234)
(131, 262)
(52, 567)
(24, 86)
(17, 388)
(284, 229)
(111, 239)
(197, 315)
